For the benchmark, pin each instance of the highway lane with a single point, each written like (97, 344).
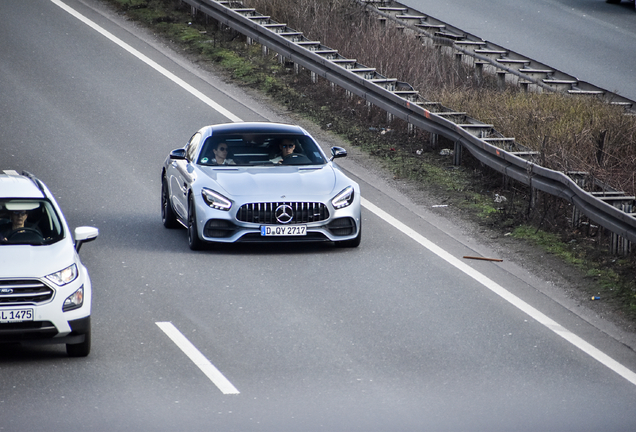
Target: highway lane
(589, 39)
(388, 336)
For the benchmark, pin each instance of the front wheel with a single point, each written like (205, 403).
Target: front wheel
(80, 349)
(194, 241)
(168, 217)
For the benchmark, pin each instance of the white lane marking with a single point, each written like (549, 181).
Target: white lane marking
(197, 358)
(506, 295)
(196, 93)
(488, 283)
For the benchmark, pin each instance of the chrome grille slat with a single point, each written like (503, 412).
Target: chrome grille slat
(265, 213)
(24, 291)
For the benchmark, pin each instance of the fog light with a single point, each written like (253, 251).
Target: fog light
(74, 301)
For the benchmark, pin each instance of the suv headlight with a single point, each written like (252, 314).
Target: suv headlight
(62, 277)
(74, 301)
(344, 198)
(215, 199)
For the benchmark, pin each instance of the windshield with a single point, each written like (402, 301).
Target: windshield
(260, 149)
(29, 221)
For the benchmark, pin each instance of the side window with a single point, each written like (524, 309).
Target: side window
(193, 147)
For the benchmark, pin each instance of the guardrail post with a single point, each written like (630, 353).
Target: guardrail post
(314, 77)
(264, 50)
(501, 79)
(434, 140)
(457, 154)
(613, 248)
(479, 71)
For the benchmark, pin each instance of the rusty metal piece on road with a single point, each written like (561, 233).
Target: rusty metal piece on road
(483, 258)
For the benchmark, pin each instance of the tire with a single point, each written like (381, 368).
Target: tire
(81, 349)
(354, 242)
(194, 241)
(168, 217)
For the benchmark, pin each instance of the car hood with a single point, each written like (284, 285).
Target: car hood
(35, 261)
(265, 181)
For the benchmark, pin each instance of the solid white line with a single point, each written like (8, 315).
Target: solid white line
(215, 106)
(506, 295)
(197, 358)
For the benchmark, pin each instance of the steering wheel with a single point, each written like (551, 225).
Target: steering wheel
(25, 235)
(296, 159)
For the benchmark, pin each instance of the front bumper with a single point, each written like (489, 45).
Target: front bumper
(44, 332)
(224, 227)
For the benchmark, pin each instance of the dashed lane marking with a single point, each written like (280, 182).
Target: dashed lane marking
(197, 358)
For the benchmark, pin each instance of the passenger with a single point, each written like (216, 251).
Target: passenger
(286, 147)
(220, 155)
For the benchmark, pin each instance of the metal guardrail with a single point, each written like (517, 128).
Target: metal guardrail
(519, 69)
(402, 101)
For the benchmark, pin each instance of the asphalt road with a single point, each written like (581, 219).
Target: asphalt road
(400, 334)
(589, 39)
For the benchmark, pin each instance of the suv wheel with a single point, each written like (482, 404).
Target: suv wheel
(80, 349)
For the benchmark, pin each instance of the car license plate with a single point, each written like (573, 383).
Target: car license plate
(16, 315)
(283, 230)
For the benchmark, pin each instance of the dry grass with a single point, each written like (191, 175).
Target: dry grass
(573, 133)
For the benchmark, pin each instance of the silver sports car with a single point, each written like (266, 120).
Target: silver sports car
(259, 182)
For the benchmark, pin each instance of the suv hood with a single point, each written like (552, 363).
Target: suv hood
(35, 261)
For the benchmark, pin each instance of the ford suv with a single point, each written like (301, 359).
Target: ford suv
(45, 291)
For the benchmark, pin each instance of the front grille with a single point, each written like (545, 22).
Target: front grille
(265, 213)
(25, 331)
(14, 292)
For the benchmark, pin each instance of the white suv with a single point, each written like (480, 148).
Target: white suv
(45, 291)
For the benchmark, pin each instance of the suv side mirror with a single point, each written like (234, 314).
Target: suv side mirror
(83, 235)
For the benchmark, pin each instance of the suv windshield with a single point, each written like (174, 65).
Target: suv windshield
(260, 149)
(29, 221)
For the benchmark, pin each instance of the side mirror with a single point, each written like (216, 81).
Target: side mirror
(337, 152)
(83, 235)
(178, 154)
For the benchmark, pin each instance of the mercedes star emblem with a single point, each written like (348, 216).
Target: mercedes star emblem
(284, 213)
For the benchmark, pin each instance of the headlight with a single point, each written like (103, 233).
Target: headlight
(65, 276)
(215, 199)
(344, 198)
(74, 301)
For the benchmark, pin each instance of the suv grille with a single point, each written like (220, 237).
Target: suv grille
(265, 213)
(24, 292)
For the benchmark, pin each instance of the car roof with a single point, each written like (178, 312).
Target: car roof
(256, 128)
(15, 185)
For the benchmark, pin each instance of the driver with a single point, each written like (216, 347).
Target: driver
(286, 147)
(18, 221)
